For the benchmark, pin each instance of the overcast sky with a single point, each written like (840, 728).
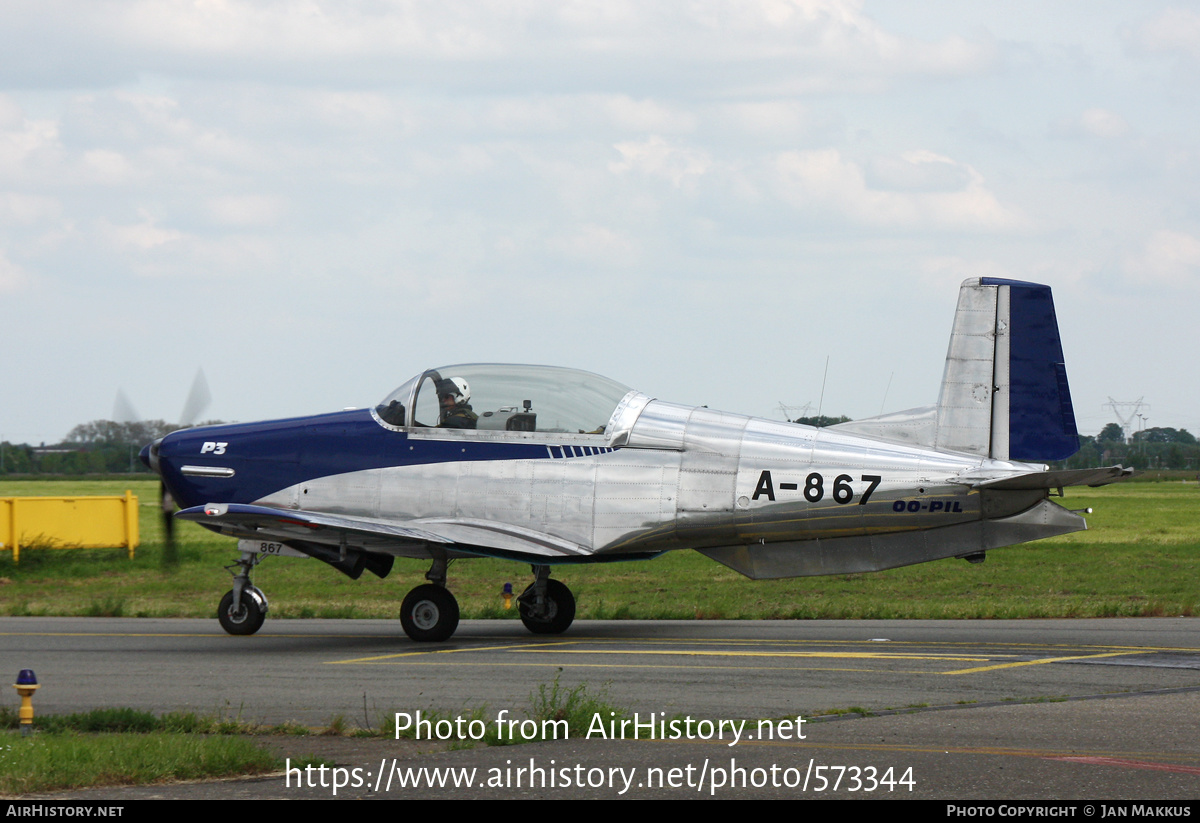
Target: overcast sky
(704, 200)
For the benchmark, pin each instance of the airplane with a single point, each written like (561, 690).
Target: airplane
(554, 466)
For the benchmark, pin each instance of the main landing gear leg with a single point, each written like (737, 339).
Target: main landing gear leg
(547, 606)
(429, 613)
(244, 608)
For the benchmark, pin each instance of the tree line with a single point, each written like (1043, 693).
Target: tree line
(98, 447)
(1156, 448)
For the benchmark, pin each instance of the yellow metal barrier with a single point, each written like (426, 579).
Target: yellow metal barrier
(69, 523)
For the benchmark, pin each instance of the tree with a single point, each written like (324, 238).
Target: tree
(110, 433)
(1112, 433)
(821, 421)
(16, 458)
(1165, 435)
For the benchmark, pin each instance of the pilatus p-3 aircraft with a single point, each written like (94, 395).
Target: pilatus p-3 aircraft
(552, 466)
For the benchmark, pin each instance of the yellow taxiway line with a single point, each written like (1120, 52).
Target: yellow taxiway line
(1044, 660)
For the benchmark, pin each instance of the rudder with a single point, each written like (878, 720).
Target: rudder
(1004, 390)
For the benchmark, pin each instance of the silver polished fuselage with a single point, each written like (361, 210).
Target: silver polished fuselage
(767, 498)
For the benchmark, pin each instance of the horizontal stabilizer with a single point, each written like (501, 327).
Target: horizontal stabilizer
(1052, 479)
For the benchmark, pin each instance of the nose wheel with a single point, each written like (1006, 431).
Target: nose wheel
(245, 618)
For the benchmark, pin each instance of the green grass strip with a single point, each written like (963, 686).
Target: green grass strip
(50, 762)
(1140, 557)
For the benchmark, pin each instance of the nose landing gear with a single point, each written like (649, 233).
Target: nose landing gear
(244, 608)
(245, 618)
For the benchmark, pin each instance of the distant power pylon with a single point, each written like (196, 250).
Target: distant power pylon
(1134, 406)
(787, 410)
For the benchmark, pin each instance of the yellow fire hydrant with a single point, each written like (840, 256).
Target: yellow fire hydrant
(26, 685)
(507, 595)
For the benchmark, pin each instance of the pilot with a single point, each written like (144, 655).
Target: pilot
(453, 396)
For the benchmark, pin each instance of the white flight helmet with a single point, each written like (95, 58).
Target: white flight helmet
(456, 385)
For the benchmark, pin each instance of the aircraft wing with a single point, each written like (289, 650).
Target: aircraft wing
(401, 538)
(1048, 479)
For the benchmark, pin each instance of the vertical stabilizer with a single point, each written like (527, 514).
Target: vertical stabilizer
(1004, 391)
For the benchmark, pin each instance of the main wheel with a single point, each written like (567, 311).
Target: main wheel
(429, 614)
(246, 620)
(559, 612)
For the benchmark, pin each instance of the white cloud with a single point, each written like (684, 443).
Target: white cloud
(778, 119)
(12, 276)
(1170, 258)
(1173, 30)
(943, 272)
(917, 171)
(142, 236)
(381, 155)
(27, 208)
(647, 115)
(351, 109)
(510, 115)
(1095, 122)
(1103, 123)
(276, 30)
(158, 110)
(245, 209)
(941, 193)
(11, 116)
(105, 166)
(27, 145)
(834, 30)
(658, 158)
(598, 244)
(603, 44)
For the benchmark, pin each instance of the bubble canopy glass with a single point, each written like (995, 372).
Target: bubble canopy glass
(511, 398)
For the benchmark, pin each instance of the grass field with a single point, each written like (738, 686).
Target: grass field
(1140, 557)
(50, 762)
(119, 746)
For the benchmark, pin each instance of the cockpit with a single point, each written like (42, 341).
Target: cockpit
(496, 397)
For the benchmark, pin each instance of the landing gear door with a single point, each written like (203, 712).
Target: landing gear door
(268, 547)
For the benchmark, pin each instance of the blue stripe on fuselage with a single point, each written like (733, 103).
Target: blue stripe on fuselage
(276, 454)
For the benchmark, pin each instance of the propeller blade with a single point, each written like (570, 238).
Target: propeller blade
(123, 411)
(197, 401)
(167, 508)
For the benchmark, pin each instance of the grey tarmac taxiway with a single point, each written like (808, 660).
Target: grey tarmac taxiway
(1054, 709)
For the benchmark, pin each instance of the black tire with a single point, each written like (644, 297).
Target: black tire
(429, 614)
(560, 608)
(246, 620)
